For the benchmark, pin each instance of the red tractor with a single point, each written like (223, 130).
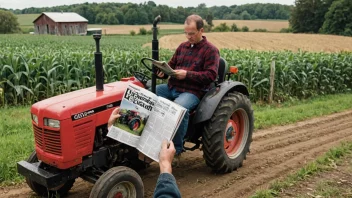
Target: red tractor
(70, 134)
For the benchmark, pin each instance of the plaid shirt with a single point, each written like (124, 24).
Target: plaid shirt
(201, 62)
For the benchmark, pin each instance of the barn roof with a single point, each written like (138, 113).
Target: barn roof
(63, 17)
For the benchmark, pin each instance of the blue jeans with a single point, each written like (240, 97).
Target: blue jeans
(185, 99)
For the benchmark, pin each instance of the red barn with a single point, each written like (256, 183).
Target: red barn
(60, 23)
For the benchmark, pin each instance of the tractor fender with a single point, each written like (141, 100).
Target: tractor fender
(213, 97)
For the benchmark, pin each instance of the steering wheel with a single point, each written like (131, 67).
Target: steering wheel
(145, 65)
(148, 67)
(141, 77)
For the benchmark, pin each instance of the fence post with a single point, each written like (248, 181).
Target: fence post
(272, 78)
(2, 97)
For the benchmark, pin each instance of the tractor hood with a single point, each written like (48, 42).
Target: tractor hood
(73, 104)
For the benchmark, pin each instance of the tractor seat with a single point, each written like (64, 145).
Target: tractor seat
(222, 70)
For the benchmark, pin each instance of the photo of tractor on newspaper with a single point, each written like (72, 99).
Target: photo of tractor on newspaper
(131, 121)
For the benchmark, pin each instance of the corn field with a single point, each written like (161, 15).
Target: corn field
(33, 68)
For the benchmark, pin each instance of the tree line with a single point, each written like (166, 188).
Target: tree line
(322, 16)
(144, 13)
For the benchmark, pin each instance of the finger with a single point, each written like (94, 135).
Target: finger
(116, 110)
(116, 116)
(171, 145)
(164, 144)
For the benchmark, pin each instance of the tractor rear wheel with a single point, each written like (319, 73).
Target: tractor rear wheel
(118, 182)
(41, 190)
(134, 124)
(228, 134)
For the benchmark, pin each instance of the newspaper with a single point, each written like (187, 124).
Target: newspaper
(163, 66)
(146, 120)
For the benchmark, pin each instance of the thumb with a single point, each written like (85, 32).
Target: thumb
(116, 110)
(164, 144)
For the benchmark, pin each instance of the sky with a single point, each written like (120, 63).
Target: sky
(20, 4)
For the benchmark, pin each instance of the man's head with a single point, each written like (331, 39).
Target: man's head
(194, 28)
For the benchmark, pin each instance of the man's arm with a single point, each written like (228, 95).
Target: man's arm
(166, 186)
(210, 72)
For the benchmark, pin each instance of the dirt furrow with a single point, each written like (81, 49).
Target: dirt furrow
(262, 177)
(259, 164)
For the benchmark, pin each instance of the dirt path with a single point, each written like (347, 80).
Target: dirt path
(275, 152)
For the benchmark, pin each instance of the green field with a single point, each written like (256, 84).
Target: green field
(36, 67)
(26, 19)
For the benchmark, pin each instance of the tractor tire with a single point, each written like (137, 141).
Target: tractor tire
(118, 181)
(42, 191)
(134, 124)
(228, 134)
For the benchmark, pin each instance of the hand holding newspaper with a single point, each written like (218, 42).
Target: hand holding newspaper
(146, 120)
(163, 66)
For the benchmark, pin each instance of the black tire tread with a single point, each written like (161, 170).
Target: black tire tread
(213, 151)
(108, 180)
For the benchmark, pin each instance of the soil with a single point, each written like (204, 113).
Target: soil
(262, 41)
(275, 153)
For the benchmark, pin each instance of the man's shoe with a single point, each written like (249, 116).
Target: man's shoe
(176, 160)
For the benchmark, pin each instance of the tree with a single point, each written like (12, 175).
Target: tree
(120, 17)
(234, 28)
(151, 3)
(131, 17)
(101, 18)
(112, 19)
(222, 28)
(8, 22)
(308, 15)
(209, 19)
(142, 17)
(245, 15)
(338, 20)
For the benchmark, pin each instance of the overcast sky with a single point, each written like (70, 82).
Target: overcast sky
(20, 4)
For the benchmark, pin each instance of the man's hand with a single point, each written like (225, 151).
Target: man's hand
(114, 115)
(160, 74)
(180, 74)
(166, 156)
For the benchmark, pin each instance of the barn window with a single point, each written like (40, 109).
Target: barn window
(47, 29)
(38, 29)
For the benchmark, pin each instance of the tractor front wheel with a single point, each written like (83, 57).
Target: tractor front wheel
(118, 182)
(42, 191)
(228, 134)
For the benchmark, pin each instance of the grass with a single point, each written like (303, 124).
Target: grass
(26, 19)
(16, 135)
(291, 112)
(126, 128)
(323, 163)
(16, 141)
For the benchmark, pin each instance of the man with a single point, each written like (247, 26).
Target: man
(196, 63)
(166, 186)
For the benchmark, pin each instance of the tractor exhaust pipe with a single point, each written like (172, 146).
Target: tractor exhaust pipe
(155, 50)
(98, 58)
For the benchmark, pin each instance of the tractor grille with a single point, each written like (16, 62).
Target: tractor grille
(83, 135)
(48, 140)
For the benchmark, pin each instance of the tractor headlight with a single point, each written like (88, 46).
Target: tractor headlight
(35, 118)
(51, 123)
